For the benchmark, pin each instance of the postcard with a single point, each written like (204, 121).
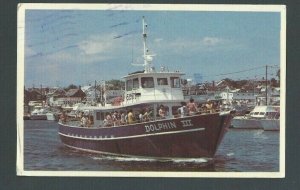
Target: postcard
(148, 90)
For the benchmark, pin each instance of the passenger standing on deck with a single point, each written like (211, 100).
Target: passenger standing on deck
(192, 107)
(183, 110)
(83, 121)
(116, 118)
(123, 120)
(63, 117)
(109, 119)
(209, 106)
(146, 116)
(130, 117)
(162, 112)
(141, 118)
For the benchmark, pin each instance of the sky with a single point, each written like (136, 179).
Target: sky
(65, 47)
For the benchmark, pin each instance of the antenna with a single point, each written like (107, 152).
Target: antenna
(146, 56)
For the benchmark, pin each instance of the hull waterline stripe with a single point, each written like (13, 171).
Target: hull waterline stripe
(135, 156)
(134, 136)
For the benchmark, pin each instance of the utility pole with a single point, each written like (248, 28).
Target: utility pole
(95, 92)
(266, 85)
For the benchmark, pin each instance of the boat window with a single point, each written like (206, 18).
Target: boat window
(162, 81)
(129, 85)
(90, 120)
(98, 115)
(175, 82)
(136, 83)
(256, 113)
(147, 82)
(262, 113)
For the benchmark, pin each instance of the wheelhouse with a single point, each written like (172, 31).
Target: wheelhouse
(267, 112)
(156, 86)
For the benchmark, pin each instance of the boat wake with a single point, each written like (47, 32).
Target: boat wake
(230, 154)
(124, 159)
(135, 159)
(260, 135)
(191, 160)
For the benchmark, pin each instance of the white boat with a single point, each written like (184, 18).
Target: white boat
(50, 116)
(261, 117)
(270, 124)
(38, 114)
(42, 113)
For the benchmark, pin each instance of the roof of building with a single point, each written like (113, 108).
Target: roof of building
(73, 92)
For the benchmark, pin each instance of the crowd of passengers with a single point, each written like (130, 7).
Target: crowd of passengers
(85, 120)
(122, 118)
(187, 109)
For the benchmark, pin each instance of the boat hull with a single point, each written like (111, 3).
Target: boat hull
(38, 117)
(244, 123)
(50, 117)
(270, 124)
(189, 137)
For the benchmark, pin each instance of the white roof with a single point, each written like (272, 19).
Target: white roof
(85, 88)
(266, 109)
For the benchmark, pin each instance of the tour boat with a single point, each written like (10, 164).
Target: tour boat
(154, 128)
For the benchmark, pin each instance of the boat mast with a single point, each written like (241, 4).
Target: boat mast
(147, 57)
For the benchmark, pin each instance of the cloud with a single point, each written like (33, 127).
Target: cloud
(81, 57)
(95, 48)
(97, 44)
(61, 56)
(194, 45)
(211, 41)
(158, 40)
(29, 52)
(202, 43)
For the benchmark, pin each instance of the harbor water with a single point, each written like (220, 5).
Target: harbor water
(240, 151)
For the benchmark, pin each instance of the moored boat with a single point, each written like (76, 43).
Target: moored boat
(50, 116)
(270, 124)
(261, 117)
(151, 121)
(38, 114)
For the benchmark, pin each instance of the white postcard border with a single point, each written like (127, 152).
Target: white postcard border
(22, 7)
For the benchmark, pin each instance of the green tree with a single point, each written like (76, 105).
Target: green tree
(115, 84)
(71, 86)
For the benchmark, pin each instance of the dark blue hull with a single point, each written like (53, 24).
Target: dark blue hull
(38, 117)
(189, 137)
